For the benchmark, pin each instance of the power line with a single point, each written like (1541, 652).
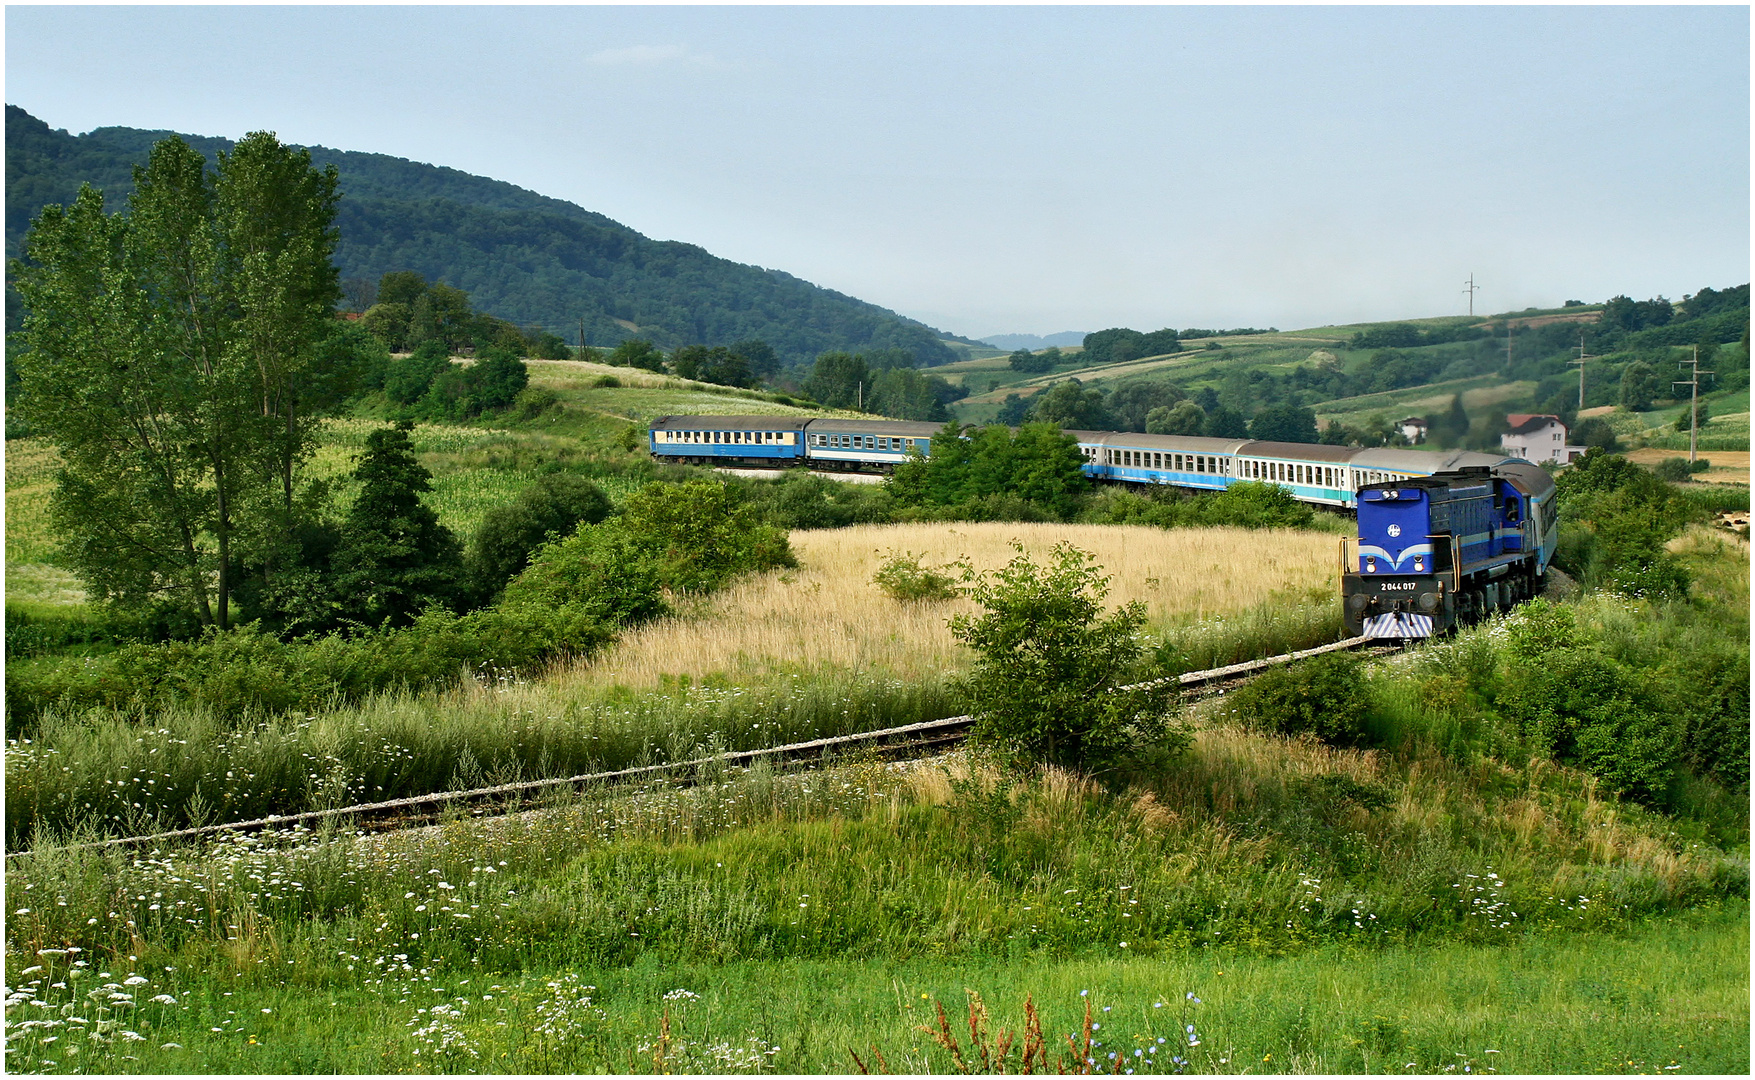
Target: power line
(1693, 383)
(1471, 289)
(1580, 362)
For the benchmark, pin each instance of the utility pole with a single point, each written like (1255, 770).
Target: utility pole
(581, 333)
(1471, 288)
(1693, 384)
(1580, 362)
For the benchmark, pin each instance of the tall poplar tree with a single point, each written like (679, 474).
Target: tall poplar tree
(170, 353)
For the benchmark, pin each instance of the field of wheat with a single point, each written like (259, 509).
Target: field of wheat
(828, 613)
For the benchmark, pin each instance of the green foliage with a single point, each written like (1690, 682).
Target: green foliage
(800, 500)
(715, 365)
(407, 379)
(600, 569)
(699, 534)
(1047, 682)
(1619, 518)
(1596, 433)
(1120, 345)
(1040, 466)
(1186, 418)
(553, 506)
(1284, 423)
(1675, 470)
(1581, 706)
(635, 352)
(1069, 405)
(395, 558)
(1026, 362)
(904, 578)
(1326, 697)
(179, 355)
(1243, 503)
(1640, 387)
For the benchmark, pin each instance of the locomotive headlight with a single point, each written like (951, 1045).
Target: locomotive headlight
(1419, 565)
(1371, 566)
(1428, 601)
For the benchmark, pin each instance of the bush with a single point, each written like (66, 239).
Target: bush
(554, 506)
(1674, 469)
(1580, 706)
(1046, 685)
(533, 401)
(1325, 696)
(606, 382)
(799, 500)
(599, 568)
(903, 578)
(701, 533)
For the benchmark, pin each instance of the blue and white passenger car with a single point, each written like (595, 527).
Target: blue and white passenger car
(728, 440)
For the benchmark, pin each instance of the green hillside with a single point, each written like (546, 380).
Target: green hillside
(1366, 376)
(521, 256)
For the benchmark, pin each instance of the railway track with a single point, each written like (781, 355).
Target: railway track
(897, 743)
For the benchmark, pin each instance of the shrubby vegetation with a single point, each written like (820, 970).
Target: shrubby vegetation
(575, 595)
(1615, 520)
(1050, 680)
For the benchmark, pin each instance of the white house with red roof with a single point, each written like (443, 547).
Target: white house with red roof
(1537, 437)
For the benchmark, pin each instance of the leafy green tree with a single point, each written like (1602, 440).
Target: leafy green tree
(635, 352)
(389, 322)
(1069, 405)
(1029, 363)
(1284, 423)
(839, 380)
(700, 534)
(763, 361)
(1047, 684)
(407, 379)
(1596, 433)
(395, 557)
(1685, 419)
(907, 394)
(553, 506)
(1012, 410)
(715, 365)
(546, 346)
(1639, 387)
(1223, 423)
(1334, 434)
(401, 287)
(172, 354)
(599, 569)
(1187, 418)
(1133, 402)
(1114, 346)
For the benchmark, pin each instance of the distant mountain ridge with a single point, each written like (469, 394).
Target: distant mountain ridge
(520, 255)
(1014, 342)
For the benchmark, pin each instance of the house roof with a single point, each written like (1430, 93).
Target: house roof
(1420, 420)
(1524, 423)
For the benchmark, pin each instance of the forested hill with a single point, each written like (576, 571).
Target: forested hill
(519, 255)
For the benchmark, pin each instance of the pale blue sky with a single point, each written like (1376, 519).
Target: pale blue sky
(1006, 169)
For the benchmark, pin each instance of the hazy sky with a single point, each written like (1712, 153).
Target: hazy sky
(1017, 169)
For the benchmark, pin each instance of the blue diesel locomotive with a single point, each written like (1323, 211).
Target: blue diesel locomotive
(1444, 549)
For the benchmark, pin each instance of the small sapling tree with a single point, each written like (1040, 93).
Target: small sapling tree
(1047, 683)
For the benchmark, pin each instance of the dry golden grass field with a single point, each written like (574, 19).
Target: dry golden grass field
(828, 613)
